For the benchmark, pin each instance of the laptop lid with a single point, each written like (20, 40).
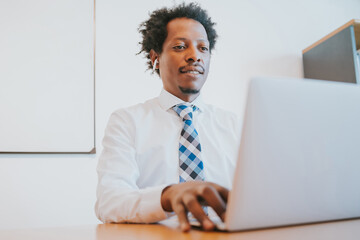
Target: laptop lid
(299, 157)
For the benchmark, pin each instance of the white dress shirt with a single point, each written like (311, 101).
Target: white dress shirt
(141, 156)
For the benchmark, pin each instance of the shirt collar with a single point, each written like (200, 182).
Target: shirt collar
(167, 101)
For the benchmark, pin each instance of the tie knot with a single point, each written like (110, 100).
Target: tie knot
(185, 110)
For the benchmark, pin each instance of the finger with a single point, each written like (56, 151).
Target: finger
(214, 200)
(224, 192)
(192, 204)
(181, 213)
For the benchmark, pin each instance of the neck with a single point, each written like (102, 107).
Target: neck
(188, 97)
(184, 94)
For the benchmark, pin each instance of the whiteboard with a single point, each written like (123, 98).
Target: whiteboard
(47, 76)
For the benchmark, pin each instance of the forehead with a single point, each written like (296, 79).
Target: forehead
(186, 28)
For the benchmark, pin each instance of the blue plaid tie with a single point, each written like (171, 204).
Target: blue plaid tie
(191, 166)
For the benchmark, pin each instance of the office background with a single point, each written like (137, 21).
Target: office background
(256, 38)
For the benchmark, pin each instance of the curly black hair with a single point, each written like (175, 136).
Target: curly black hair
(154, 31)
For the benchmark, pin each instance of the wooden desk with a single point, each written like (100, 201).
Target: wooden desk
(327, 231)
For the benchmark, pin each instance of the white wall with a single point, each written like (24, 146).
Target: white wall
(257, 38)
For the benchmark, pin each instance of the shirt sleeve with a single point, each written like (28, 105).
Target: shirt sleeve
(119, 199)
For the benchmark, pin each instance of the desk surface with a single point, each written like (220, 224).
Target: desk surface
(334, 230)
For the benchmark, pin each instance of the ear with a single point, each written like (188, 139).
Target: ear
(153, 56)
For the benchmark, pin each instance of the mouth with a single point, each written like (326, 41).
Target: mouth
(192, 70)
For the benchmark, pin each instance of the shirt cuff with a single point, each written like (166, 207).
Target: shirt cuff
(151, 209)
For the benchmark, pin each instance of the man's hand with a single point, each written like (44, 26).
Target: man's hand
(189, 197)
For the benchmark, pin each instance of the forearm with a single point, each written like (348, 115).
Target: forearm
(130, 205)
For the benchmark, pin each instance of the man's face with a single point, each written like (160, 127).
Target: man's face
(185, 59)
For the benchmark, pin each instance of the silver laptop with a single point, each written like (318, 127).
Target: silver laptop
(299, 158)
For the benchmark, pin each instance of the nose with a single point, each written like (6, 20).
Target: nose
(193, 54)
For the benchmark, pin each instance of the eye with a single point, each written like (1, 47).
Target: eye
(204, 49)
(179, 47)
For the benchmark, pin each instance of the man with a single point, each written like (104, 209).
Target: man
(173, 153)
